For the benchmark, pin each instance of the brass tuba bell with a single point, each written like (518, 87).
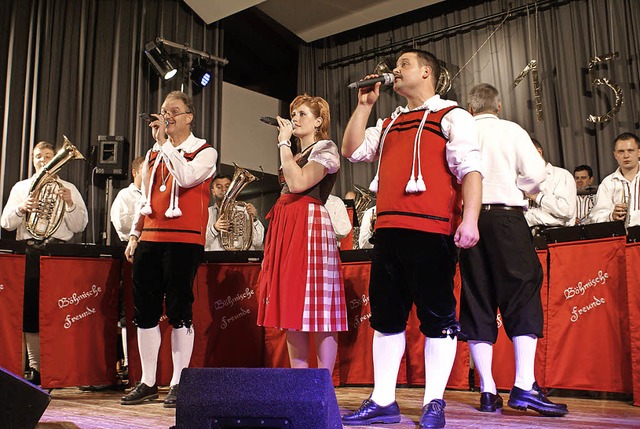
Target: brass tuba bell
(240, 233)
(365, 199)
(45, 221)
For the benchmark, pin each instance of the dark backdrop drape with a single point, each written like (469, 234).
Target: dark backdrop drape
(77, 67)
(562, 36)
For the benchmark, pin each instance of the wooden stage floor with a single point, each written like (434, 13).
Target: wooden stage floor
(72, 409)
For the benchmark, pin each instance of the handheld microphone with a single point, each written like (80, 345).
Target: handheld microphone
(384, 78)
(269, 120)
(147, 117)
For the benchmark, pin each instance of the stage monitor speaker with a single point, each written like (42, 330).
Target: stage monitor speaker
(112, 156)
(22, 402)
(251, 398)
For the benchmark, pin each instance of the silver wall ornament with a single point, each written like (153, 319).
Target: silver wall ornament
(595, 81)
(532, 68)
(444, 81)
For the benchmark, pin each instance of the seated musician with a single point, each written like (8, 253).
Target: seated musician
(583, 175)
(219, 223)
(19, 205)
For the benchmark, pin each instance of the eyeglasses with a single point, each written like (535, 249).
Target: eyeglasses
(172, 114)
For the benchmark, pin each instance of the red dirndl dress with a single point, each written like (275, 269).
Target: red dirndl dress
(300, 286)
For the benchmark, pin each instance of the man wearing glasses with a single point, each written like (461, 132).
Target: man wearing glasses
(166, 243)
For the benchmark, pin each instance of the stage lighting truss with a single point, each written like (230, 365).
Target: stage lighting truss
(199, 72)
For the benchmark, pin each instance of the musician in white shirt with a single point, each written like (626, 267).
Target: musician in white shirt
(124, 205)
(583, 174)
(555, 204)
(617, 197)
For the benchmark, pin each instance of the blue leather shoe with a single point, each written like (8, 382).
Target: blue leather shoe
(370, 412)
(490, 402)
(433, 414)
(536, 400)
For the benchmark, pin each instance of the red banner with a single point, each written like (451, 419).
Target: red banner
(78, 321)
(588, 344)
(224, 320)
(633, 278)
(11, 302)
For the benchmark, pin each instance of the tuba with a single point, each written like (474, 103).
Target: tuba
(364, 200)
(45, 221)
(240, 233)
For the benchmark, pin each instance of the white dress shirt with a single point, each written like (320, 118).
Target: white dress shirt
(124, 209)
(555, 204)
(75, 219)
(365, 228)
(339, 216)
(615, 189)
(511, 165)
(213, 235)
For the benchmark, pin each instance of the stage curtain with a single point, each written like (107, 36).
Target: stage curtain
(78, 320)
(562, 57)
(633, 279)
(588, 344)
(11, 302)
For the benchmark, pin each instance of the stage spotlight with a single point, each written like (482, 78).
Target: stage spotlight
(159, 61)
(200, 75)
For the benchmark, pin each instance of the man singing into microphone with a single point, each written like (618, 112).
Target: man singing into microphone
(419, 224)
(167, 241)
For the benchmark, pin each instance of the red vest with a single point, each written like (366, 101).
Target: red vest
(439, 208)
(191, 227)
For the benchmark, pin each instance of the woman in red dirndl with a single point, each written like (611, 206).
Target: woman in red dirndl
(300, 285)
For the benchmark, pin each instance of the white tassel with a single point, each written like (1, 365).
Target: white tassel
(411, 186)
(177, 212)
(169, 213)
(146, 209)
(373, 186)
(420, 186)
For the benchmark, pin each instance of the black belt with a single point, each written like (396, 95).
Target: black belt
(501, 207)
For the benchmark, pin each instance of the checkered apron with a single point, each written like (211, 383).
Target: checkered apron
(300, 285)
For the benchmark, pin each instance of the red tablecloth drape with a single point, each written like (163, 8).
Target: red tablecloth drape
(11, 302)
(588, 342)
(78, 321)
(633, 280)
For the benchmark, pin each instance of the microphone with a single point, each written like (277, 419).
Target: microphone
(385, 78)
(269, 120)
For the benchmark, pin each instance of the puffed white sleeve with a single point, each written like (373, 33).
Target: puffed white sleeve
(325, 153)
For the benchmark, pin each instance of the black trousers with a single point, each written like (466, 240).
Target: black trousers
(164, 270)
(501, 272)
(410, 267)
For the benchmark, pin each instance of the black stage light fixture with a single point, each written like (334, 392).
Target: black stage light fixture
(159, 61)
(200, 75)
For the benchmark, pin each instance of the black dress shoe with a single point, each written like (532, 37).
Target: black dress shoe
(536, 400)
(139, 394)
(172, 396)
(490, 402)
(32, 376)
(370, 412)
(433, 414)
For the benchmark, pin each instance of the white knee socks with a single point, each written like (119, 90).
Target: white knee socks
(181, 349)
(524, 347)
(149, 346)
(482, 354)
(387, 355)
(32, 341)
(439, 355)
